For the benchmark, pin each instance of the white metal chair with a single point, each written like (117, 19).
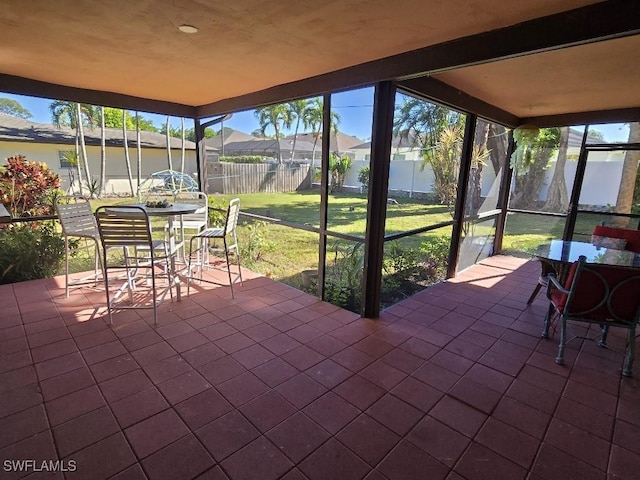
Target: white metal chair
(227, 234)
(195, 222)
(128, 228)
(77, 221)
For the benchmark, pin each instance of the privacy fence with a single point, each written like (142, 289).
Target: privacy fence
(235, 178)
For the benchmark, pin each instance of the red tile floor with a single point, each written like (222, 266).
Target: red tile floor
(453, 383)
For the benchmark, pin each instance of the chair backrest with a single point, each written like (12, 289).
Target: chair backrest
(124, 226)
(76, 216)
(599, 292)
(196, 198)
(233, 212)
(631, 236)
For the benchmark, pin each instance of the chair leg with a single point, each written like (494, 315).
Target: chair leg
(226, 254)
(631, 353)
(66, 266)
(563, 335)
(106, 287)
(547, 321)
(603, 337)
(534, 293)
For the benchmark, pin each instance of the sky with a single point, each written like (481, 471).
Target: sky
(354, 107)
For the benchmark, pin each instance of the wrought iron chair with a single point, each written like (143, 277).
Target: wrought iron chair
(227, 234)
(78, 222)
(128, 228)
(606, 295)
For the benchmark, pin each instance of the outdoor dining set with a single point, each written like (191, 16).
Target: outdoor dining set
(596, 282)
(133, 257)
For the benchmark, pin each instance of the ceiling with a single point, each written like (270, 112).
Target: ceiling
(249, 52)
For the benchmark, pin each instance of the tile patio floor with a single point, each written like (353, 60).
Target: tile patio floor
(453, 383)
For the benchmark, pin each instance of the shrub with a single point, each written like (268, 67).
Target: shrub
(242, 159)
(363, 176)
(30, 251)
(27, 188)
(338, 167)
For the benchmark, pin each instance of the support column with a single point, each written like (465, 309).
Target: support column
(381, 136)
(461, 196)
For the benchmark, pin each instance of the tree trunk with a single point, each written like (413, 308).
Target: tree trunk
(127, 159)
(139, 152)
(557, 195)
(183, 151)
(83, 147)
(278, 144)
(103, 155)
(625, 200)
(295, 137)
(497, 145)
(168, 139)
(78, 160)
(474, 197)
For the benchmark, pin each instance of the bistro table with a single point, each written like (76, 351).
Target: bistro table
(557, 256)
(170, 212)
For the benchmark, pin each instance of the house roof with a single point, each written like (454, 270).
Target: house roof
(230, 136)
(267, 147)
(508, 60)
(337, 143)
(20, 130)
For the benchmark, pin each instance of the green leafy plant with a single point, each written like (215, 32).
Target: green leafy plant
(343, 281)
(26, 187)
(30, 251)
(255, 243)
(363, 176)
(338, 168)
(242, 159)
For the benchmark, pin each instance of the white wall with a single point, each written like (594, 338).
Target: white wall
(153, 160)
(601, 178)
(600, 186)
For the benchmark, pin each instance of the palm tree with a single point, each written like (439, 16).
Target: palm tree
(312, 118)
(75, 115)
(125, 142)
(103, 154)
(138, 150)
(276, 116)
(168, 138)
(183, 147)
(296, 110)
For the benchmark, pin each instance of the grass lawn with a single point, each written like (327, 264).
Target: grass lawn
(282, 253)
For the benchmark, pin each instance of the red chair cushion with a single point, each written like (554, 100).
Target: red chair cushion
(631, 236)
(595, 283)
(558, 298)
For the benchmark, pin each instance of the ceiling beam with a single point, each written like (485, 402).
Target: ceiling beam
(621, 115)
(440, 92)
(597, 22)
(36, 88)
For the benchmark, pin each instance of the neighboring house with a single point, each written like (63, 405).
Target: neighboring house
(268, 149)
(239, 144)
(46, 143)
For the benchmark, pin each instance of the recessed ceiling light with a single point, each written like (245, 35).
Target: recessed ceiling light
(188, 29)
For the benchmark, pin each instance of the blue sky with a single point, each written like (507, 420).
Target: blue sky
(354, 107)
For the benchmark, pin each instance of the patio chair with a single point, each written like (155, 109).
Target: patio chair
(195, 222)
(79, 223)
(227, 234)
(128, 228)
(601, 294)
(543, 280)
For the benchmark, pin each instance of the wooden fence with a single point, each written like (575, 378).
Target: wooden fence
(235, 178)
